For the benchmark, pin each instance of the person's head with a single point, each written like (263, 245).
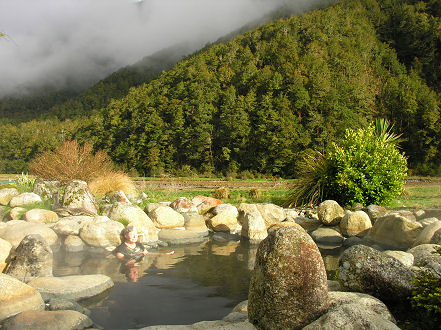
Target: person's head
(129, 234)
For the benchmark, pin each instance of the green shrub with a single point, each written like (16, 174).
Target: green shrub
(426, 296)
(365, 167)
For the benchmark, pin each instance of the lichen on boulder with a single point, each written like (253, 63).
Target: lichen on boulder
(288, 287)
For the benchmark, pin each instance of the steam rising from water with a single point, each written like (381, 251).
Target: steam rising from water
(77, 42)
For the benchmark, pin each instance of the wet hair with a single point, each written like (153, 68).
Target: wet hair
(126, 231)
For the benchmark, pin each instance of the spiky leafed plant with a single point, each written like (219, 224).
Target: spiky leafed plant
(309, 188)
(383, 130)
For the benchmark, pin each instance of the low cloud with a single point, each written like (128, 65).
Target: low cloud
(77, 42)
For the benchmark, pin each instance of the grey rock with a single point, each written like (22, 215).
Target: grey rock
(24, 199)
(298, 294)
(327, 236)
(16, 297)
(394, 231)
(351, 310)
(57, 304)
(78, 196)
(75, 287)
(33, 258)
(330, 212)
(43, 320)
(364, 269)
(6, 195)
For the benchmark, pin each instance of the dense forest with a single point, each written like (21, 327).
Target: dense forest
(256, 103)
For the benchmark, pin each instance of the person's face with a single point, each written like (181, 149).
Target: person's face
(132, 237)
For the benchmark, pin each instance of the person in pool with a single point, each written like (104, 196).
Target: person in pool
(131, 251)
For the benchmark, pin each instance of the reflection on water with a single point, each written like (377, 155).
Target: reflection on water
(199, 282)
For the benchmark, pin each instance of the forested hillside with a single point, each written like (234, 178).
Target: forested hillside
(258, 102)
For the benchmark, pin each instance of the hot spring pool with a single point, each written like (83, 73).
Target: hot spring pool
(198, 283)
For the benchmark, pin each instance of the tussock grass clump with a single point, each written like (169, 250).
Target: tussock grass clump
(111, 182)
(308, 190)
(255, 193)
(71, 161)
(221, 193)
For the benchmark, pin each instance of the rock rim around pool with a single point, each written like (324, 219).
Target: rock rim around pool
(75, 287)
(42, 320)
(288, 287)
(16, 297)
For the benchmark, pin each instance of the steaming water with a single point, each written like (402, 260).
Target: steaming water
(198, 283)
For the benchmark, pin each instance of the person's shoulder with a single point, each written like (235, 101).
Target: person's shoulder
(140, 245)
(119, 248)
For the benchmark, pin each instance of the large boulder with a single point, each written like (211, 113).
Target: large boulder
(406, 258)
(436, 238)
(75, 287)
(165, 217)
(204, 203)
(71, 225)
(16, 213)
(355, 223)
(24, 199)
(78, 196)
(195, 222)
(41, 216)
(183, 204)
(309, 224)
(288, 287)
(6, 195)
(425, 236)
(42, 320)
(353, 311)
(429, 213)
(44, 188)
(327, 237)
(16, 230)
(223, 218)
(394, 231)
(425, 257)
(375, 212)
(253, 225)
(364, 269)
(271, 213)
(16, 297)
(33, 258)
(102, 232)
(134, 215)
(330, 212)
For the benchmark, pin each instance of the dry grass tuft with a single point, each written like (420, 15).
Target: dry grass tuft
(221, 193)
(111, 182)
(71, 161)
(255, 193)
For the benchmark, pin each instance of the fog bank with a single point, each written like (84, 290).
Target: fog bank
(77, 42)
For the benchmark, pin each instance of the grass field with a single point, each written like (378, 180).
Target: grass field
(419, 192)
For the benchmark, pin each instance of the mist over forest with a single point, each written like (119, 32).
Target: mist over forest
(73, 44)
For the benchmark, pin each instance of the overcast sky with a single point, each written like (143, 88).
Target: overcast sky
(60, 41)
